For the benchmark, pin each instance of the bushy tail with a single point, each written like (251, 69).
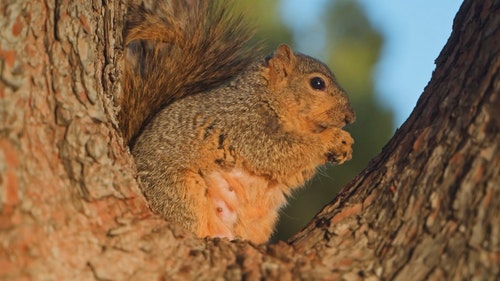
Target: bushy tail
(176, 48)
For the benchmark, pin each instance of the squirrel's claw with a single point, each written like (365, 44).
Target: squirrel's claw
(337, 158)
(342, 150)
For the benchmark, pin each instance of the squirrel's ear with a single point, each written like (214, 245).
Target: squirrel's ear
(282, 62)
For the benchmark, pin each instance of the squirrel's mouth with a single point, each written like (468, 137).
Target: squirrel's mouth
(321, 126)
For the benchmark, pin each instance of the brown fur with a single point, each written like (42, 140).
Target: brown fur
(164, 49)
(233, 135)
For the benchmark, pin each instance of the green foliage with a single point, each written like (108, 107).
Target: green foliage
(265, 17)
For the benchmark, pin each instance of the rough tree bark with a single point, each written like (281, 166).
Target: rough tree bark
(427, 208)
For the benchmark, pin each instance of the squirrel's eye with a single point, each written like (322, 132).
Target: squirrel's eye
(317, 83)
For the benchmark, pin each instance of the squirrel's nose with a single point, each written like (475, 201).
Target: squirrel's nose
(350, 116)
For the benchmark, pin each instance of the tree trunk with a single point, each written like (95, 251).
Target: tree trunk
(427, 208)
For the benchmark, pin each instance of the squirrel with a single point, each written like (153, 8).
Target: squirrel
(221, 135)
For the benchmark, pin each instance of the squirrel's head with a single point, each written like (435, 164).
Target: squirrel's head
(308, 90)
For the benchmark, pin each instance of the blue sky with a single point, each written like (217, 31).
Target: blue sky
(415, 32)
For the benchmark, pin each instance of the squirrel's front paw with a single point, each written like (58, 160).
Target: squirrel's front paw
(341, 150)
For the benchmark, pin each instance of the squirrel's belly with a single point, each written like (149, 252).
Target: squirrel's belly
(241, 205)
